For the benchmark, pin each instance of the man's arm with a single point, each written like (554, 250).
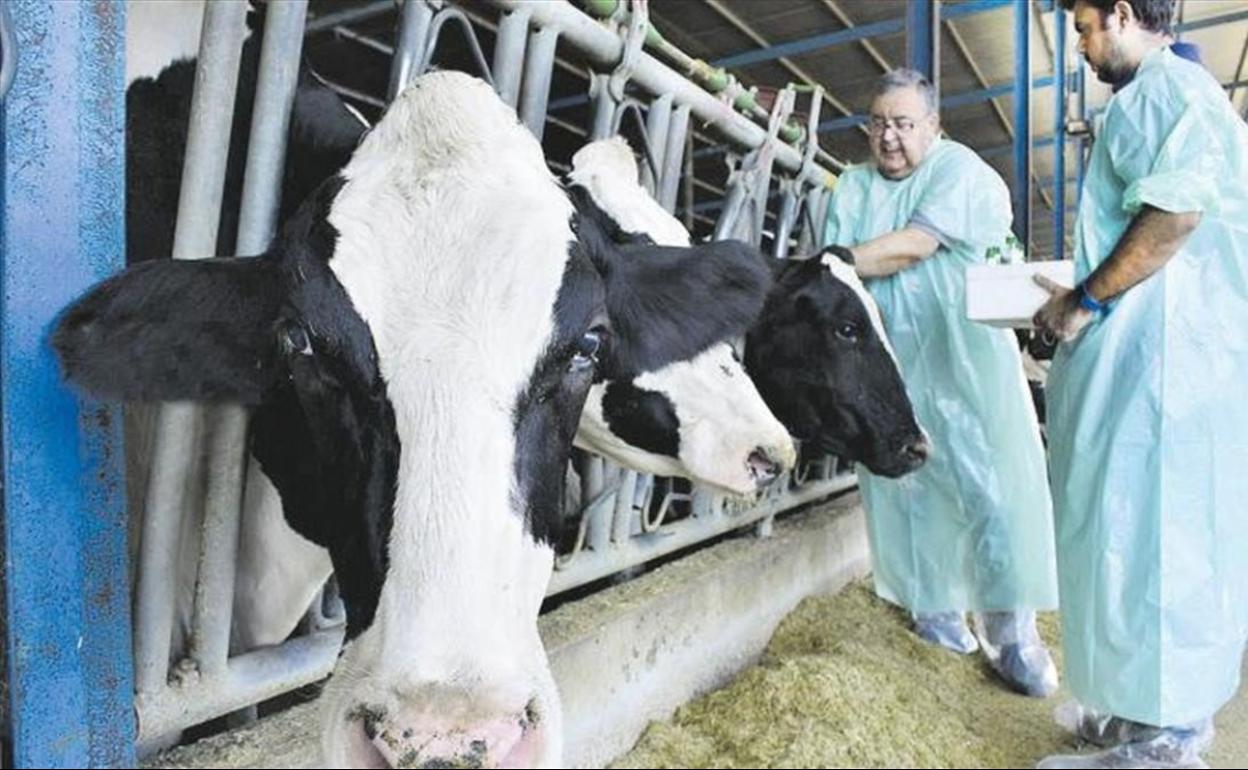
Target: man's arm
(893, 252)
(1150, 241)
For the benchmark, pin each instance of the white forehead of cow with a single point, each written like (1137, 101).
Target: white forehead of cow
(607, 170)
(612, 158)
(429, 198)
(846, 275)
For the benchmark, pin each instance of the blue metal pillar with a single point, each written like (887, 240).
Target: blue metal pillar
(1022, 123)
(1081, 105)
(67, 624)
(923, 38)
(1059, 135)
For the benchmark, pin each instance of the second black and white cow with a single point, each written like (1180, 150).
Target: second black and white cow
(817, 352)
(418, 345)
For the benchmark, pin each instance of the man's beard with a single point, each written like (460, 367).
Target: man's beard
(1114, 72)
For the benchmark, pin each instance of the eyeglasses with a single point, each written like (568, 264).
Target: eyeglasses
(903, 126)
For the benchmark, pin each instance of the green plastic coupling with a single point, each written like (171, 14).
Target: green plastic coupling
(792, 133)
(745, 101)
(603, 9)
(713, 79)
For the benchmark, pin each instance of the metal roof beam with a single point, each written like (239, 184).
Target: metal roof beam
(1213, 21)
(856, 34)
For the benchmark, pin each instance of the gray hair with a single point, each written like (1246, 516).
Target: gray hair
(908, 78)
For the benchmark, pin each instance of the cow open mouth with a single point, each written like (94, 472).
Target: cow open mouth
(763, 469)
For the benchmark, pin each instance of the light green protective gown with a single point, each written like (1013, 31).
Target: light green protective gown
(973, 528)
(1148, 415)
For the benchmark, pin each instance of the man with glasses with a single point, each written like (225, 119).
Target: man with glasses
(972, 530)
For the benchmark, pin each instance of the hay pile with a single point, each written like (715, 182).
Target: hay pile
(844, 683)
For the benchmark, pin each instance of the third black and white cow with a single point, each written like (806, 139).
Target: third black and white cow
(418, 345)
(817, 352)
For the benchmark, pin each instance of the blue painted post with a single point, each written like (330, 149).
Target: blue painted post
(1022, 123)
(923, 38)
(1081, 102)
(67, 630)
(1059, 136)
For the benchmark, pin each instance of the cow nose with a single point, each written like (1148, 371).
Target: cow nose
(764, 468)
(501, 741)
(916, 452)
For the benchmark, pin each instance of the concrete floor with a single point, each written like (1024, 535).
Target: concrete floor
(1230, 746)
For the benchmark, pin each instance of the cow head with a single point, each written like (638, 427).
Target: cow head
(418, 346)
(822, 361)
(699, 417)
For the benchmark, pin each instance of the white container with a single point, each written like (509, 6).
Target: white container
(1007, 295)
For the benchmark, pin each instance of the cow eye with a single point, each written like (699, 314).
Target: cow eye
(847, 331)
(295, 339)
(585, 355)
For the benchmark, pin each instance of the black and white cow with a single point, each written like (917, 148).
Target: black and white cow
(734, 444)
(418, 345)
(817, 352)
(664, 421)
(822, 361)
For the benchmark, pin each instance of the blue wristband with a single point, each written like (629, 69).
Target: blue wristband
(1088, 302)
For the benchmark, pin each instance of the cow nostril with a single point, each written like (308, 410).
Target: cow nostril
(762, 467)
(917, 451)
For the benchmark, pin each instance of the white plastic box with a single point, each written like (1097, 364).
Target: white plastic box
(1007, 295)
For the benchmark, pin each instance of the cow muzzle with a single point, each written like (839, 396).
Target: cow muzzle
(418, 738)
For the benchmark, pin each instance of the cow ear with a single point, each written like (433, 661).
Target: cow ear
(176, 330)
(671, 303)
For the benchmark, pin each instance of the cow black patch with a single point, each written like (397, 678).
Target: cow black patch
(643, 418)
(327, 437)
(547, 412)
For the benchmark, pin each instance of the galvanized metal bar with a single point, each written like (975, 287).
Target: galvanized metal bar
(689, 179)
(66, 627)
(622, 517)
(674, 156)
(413, 37)
(806, 235)
(513, 35)
(785, 221)
(539, 63)
(730, 210)
(1022, 123)
(1213, 21)
(658, 118)
(1059, 135)
(435, 36)
(593, 485)
(676, 535)
(249, 678)
(366, 41)
(602, 49)
(923, 39)
(605, 107)
(195, 237)
(261, 197)
(350, 16)
(266, 148)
